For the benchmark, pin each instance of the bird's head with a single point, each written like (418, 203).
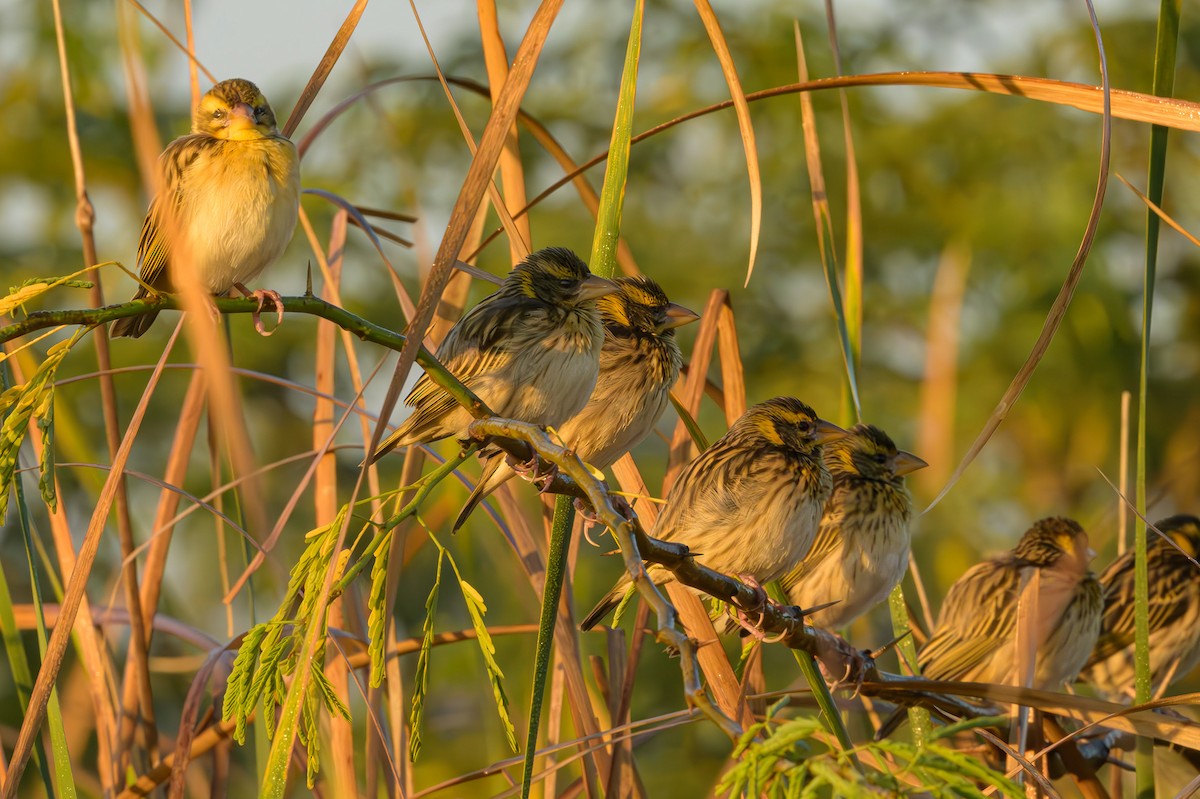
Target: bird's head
(234, 110)
(641, 306)
(866, 451)
(1056, 541)
(558, 277)
(1183, 531)
(788, 423)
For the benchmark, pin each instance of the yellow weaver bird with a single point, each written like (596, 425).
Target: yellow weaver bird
(639, 363)
(231, 191)
(862, 545)
(530, 351)
(750, 504)
(975, 639)
(1174, 612)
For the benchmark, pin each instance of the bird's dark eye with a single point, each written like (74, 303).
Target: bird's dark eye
(259, 110)
(879, 458)
(567, 282)
(804, 427)
(219, 113)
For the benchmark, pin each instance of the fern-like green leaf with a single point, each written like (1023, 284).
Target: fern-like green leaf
(25, 403)
(241, 677)
(421, 674)
(377, 620)
(477, 610)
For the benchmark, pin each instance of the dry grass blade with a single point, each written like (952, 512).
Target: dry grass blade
(1160, 213)
(469, 196)
(1059, 309)
(733, 373)
(854, 235)
(824, 227)
(939, 388)
(745, 126)
(517, 242)
(718, 671)
(694, 384)
(325, 501)
(340, 40)
(76, 586)
(137, 675)
(156, 561)
(512, 174)
(186, 49)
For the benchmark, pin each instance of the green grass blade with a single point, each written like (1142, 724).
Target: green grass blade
(560, 545)
(602, 262)
(820, 689)
(1164, 84)
(918, 717)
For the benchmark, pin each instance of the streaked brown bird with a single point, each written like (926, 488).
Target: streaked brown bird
(975, 639)
(1174, 611)
(639, 363)
(861, 550)
(530, 351)
(231, 196)
(750, 504)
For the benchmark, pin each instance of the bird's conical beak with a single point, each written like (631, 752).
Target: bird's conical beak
(827, 431)
(678, 316)
(595, 286)
(242, 123)
(906, 462)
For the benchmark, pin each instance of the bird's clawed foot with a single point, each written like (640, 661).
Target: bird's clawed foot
(264, 297)
(533, 471)
(762, 602)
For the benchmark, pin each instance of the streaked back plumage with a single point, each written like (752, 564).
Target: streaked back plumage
(1174, 611)
(975, 636)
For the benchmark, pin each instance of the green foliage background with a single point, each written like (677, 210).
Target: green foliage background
(1002, 184)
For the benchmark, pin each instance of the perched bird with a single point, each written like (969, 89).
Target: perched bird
(1174, 614)
(639, 363)
(975, 639)
(530, 351)
(231, 195)
(750, 504)
(862, 545)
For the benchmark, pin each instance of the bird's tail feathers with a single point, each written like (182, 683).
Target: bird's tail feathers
(132, 326)
(495, 473)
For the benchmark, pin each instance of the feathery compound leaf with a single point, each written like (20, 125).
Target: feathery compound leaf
(421, 674)
(310, 733)
(241, 677)
(35, 287)
(45, 416)
(376, 621)
(27, 402)
(478, 609)
(328, 694)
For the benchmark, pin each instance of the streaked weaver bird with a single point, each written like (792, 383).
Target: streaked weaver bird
(749, 505)
(1174, 611)
(639, 362)
(861, 550)
(530, 351)
(975, 639)
(230, 199)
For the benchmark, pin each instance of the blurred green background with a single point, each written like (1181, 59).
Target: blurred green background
(984, 193)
